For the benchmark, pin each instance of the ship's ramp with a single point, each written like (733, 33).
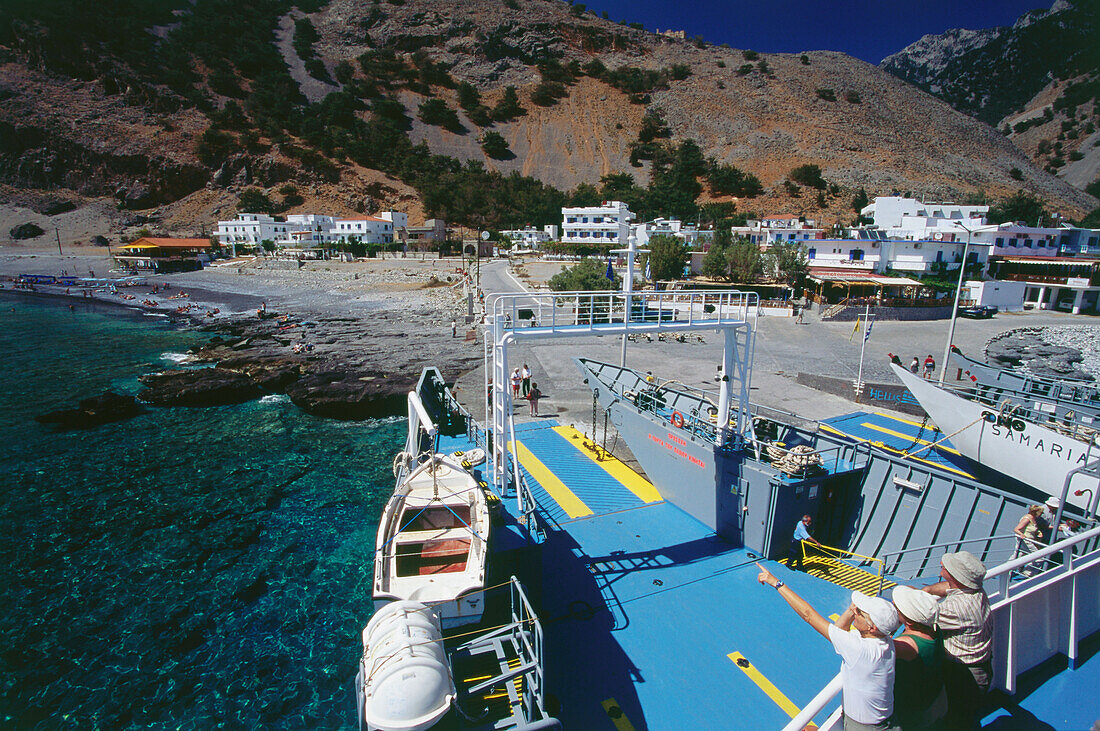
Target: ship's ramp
(572, 480)
(899, 436)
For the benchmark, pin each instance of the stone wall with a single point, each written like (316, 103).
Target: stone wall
(850, 314)
(882, 395)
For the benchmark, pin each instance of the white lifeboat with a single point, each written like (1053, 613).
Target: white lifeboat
(406, 681)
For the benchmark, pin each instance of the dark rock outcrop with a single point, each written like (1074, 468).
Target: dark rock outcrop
(102, 409)
(342, 394)
(201, 387)
(26, 231)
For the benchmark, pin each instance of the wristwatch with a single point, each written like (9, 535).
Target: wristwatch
(779, 585)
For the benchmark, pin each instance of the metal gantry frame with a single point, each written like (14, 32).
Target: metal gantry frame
(581, 314)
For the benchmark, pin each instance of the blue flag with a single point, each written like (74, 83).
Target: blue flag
(610, 274)
(867, 332)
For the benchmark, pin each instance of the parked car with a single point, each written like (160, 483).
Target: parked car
(978, 312)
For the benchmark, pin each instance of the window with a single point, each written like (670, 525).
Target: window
(1000, 242)
(856, 255)
(1027, 243)
(811, 254)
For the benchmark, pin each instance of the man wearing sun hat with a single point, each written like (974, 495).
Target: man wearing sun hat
(861, 636)
(965, 621)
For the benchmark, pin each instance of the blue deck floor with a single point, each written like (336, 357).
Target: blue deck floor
(642, 607)
(900, 434)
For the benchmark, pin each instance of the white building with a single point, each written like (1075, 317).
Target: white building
(778, 228)
(687, 233)
(608, 223)
(908, 218)
(528, 237)
(252, 229)
(365, 230)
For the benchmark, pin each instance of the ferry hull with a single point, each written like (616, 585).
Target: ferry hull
(1035, 455)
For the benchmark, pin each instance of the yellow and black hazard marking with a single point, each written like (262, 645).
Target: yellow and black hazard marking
(843, 574)
(615, 712)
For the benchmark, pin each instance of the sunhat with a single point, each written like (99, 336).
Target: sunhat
(917, 606)
(965, 568)
(881, 612)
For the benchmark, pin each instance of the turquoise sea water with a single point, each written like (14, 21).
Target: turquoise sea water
(188, 567)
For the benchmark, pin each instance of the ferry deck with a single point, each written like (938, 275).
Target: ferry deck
(653, 621)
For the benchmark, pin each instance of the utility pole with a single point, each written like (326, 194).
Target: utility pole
(57, 233)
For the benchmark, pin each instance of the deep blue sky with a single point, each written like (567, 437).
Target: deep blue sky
(866, 29)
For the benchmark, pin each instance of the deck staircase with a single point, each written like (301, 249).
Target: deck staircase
(843, 574)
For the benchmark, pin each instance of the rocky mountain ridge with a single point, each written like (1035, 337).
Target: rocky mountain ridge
(184, 148)
(1038, 81)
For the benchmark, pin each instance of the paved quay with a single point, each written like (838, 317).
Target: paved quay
(784, 348)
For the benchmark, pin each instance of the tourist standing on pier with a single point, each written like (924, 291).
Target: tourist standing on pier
(929, 367)
(526, 375)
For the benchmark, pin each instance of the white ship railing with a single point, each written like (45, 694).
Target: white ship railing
(1053, 611)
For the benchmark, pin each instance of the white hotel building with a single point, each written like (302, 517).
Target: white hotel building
(309, 230)
(608, 223)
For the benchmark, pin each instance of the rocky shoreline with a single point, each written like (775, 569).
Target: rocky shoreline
(1066, 352)
(299, 334)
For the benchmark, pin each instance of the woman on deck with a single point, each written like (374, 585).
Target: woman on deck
(920, 698)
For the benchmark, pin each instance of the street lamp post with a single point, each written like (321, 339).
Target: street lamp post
(955, 308)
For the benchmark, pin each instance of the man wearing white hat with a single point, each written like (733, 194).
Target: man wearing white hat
(1050, 515)
(861, 636)
(920, 698)
(965, 621)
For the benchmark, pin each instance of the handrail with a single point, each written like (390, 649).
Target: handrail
(933, 547)
(849, 553)
(816, 705)
(1008, 567)
(1005, 570)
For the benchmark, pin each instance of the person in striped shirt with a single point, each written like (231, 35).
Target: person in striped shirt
(965, 622)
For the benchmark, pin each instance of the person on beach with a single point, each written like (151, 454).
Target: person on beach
(861, 636)
(454, 328)
(525, 374)
(533, 396)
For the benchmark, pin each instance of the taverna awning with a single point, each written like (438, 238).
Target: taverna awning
(849, 278)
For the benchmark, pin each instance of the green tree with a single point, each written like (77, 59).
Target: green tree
(1020, 206)
(667, 257)
(468, 96)
(508, 108)
(585, 194)
(716, 262)
(745, 262)
(586, 275)
(436, 112)
(808, 175)
(786, 263)
(495, 146)
(254, 200)
(860, 200)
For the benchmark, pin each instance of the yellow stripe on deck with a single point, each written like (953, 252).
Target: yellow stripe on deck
(628, 478)
(891, 432)
(615, 713)
(883, 445)
(555, 488)
(765, 685)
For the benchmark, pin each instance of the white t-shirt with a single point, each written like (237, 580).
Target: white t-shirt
(867, 675)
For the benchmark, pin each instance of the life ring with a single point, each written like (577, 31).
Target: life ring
(677, 419)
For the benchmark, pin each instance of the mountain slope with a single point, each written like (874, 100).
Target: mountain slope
(214, 96)
(1038, 81)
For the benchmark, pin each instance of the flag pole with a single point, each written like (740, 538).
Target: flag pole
(863, 348)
